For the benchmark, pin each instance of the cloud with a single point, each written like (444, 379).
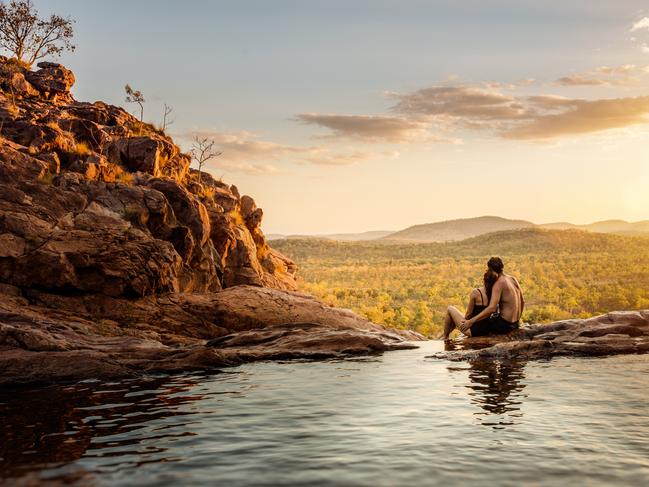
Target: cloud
(580, 80)
(244, 146)
(371, 128)
(581, 117)
(244, 152)
(625, 75)
(471, 103)
(324, 157)
(523, 117)
(643, 23)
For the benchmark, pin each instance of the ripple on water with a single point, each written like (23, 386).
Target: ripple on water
(398, 419)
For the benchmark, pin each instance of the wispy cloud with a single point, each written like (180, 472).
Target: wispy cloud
(625, 75)
(367, 127)
(576, 117)
(643, 23)
(523, 117)
(244, 152)
(325, 157)
(460, 102)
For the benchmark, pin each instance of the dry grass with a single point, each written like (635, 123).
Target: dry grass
(46, 178)
(82, 149)
(53, 124)
(237, 218)
(208, 192)
(125, 177)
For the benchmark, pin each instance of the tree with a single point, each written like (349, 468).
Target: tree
(202, 151)
(135, 96)
(30, 38)
(166, 121)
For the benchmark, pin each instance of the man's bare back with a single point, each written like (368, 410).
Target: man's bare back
(511, 298)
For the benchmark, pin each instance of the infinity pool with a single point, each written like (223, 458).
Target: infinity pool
(396, 419)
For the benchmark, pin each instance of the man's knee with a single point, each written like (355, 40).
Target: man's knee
(450, 309)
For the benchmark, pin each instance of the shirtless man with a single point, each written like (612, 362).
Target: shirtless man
(507, 297)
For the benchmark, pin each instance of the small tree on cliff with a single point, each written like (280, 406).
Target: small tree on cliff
(30, 38)
(135, 96)
(166, 119)
(202, 151)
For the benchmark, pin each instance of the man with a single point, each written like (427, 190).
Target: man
(505, 307)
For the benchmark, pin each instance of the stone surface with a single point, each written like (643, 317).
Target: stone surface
(116, 259)
(53, 145)
(619, 332)
(48, 337)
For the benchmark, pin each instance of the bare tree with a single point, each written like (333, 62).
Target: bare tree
(202, 151)
(166, 121)
(30, 38)
(135, 96)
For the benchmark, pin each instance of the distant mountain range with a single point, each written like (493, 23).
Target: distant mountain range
(345, 237)
(452, 230)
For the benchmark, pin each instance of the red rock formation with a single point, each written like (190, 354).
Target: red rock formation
(101, 154)
(116, 258)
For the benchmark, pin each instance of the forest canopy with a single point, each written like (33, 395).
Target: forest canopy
(564, 274)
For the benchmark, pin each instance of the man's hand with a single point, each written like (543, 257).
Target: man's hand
(466, 325)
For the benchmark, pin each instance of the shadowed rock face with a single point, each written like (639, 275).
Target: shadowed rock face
(620, 332)
(117, 259)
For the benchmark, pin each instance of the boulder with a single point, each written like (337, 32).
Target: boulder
(53, 80)
(21, 87)
(613, 333)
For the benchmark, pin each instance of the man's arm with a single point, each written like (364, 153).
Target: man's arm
(496, 294)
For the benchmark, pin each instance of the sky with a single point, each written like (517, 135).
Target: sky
(350, 116)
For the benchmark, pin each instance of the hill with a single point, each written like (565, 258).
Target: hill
(343, 237)
(457, 229)
(620, 227)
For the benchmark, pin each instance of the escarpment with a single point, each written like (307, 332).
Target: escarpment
(109, 204)
(117, 258)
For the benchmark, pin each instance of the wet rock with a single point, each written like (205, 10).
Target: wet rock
(100, 336)
(620, 332)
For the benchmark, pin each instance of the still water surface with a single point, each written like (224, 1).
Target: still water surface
(396, 419)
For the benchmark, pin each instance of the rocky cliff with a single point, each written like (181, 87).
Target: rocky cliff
(116, 257)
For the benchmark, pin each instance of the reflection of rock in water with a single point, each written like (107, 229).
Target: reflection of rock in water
(56, 426)
(495, 385)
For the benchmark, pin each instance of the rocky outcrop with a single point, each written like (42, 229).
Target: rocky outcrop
(116, 258)
(620, 332)
(52, 337)
(116, 166)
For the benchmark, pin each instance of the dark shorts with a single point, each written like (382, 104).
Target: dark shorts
(496, 325)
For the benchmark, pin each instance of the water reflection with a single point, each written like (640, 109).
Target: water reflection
(496, 387)
(55, 426)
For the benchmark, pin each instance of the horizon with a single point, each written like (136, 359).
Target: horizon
(339, 118)
(456, 219)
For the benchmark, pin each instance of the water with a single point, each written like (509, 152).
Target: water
(396, 419)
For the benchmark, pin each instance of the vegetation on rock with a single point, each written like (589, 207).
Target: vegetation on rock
(29, 37)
